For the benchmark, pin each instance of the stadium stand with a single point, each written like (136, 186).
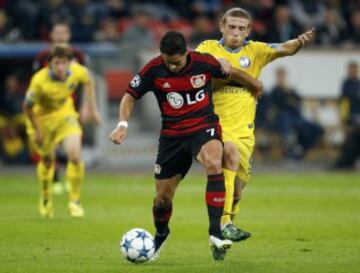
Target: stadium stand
(25, 26)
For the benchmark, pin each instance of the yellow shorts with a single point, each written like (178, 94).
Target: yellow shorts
(55, 128)
(245, 146)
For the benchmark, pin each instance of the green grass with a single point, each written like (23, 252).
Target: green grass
(300, 223)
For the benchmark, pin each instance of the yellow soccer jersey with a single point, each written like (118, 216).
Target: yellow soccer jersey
(235, 105)
(49, 95)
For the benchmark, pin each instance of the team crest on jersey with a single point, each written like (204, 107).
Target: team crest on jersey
(135, 81)
(244, 62)
(175, 100)
(157, 169)
(198, 80)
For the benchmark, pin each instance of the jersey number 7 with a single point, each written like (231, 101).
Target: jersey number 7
(211, 131)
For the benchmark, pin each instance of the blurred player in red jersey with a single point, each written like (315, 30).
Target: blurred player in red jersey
(60, 34)
(181, 83)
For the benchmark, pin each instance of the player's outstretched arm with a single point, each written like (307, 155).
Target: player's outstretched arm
(255, 86)
(120, 132)
(291, 47)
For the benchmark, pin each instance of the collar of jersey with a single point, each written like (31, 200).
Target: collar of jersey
(53, 76)
(236, 50)
(188, 64)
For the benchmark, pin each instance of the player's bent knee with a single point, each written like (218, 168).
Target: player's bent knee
(75, 161)
(231, 161)
(74, 158)
(231, 157)
(213, 165)
(163, 200)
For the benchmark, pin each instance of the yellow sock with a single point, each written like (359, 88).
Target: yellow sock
(45, 176)
(229, 195)
(75, 175)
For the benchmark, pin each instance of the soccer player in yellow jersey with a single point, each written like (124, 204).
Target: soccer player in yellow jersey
(236, 106)
(52, 119)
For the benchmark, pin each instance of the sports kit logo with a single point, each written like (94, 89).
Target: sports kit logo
(219, 199)
(166, 85)
(198, 80)
(175, 100)
(244, 62)
(157, 169)
(135, 82)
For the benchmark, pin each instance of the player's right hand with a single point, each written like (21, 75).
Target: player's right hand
(118, 134)
(225, 65)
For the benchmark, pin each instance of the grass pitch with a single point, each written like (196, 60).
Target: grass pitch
(300, 223)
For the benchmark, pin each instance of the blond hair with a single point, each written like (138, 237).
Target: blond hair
(236, 12)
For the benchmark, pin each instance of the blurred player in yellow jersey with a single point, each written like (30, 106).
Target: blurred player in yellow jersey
(236, 106)
(52, 119)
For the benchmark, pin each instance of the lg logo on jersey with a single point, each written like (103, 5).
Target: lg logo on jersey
(176, 100)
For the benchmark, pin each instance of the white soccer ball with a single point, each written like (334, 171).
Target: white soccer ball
(137, 245)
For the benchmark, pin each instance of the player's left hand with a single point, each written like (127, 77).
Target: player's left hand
(307, 37)
(225, 65)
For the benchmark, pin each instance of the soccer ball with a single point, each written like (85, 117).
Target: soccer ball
(137, 245)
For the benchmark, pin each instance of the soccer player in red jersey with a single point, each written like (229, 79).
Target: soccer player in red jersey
(181, 83)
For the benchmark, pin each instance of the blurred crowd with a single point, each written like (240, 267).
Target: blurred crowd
(279, 113)
(143, 21)
(13, 140)
(281, 117)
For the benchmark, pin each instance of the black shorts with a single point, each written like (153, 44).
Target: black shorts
(175, 154)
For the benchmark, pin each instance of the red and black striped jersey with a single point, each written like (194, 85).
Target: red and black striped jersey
(184, 98)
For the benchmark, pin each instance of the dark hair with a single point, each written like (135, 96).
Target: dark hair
(61, 51)
(236, 12)
(172, 43)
